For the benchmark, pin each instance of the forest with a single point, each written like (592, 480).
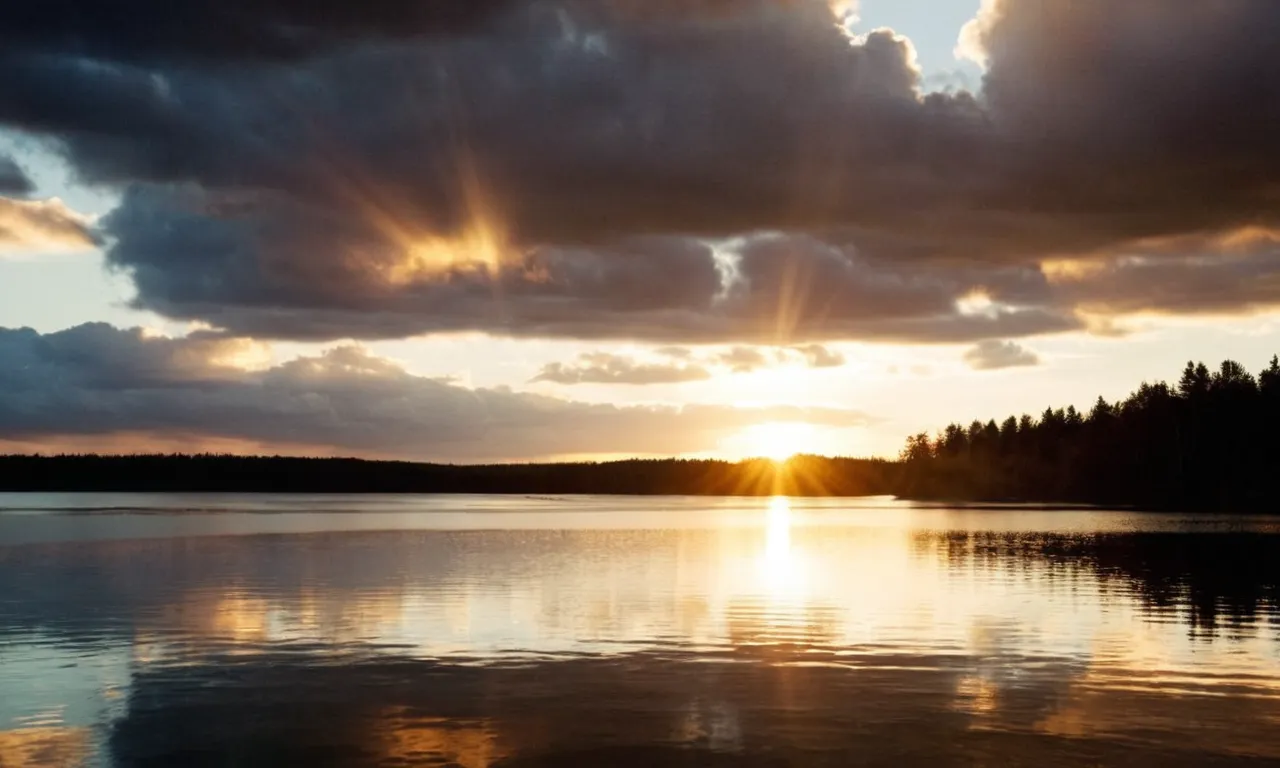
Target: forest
(1208, 442)
(801, 476)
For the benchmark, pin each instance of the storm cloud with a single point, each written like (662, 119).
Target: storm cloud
(95, 381)
(704, 171)
(14, 181)
(781, 289)
(211, 31)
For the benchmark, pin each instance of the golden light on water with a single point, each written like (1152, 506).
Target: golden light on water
(781, 566)
(44, 745)
(409, 738)
(778, 530)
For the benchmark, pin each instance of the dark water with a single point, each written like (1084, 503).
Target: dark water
(396, 631)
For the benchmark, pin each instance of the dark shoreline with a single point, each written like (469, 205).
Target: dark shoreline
(809, 476)
(801, 477)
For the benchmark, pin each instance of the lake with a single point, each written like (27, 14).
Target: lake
(240, 630)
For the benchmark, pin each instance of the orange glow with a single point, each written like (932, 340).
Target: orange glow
(778, 440)
(413, 250)
(1070, 270)
(411, 738)
(45, 745)
(479, 248)
(976, 302)
(242, 354)
(482, 245)
(42, 225)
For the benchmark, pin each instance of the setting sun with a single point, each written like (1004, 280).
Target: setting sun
(778, 440)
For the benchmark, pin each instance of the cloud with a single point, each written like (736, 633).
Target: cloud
(678, 365)
(750, 359)
(677, 353)
(1181, 276)
(594, 169)
(43, 225)
(100, 382)
(818, 356)
(993, 355)
(157, 31)
(14, 182)
(213, 32)
(342, 281)
(608, 368)
(610, 140)
(745, 359)
(262, 200)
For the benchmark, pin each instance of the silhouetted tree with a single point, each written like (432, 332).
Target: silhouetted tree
(1009, 436)
(1211, 442)
(1269, 380)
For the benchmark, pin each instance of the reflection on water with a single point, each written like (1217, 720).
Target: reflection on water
(581, 631)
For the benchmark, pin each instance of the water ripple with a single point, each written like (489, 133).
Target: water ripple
(747, 633)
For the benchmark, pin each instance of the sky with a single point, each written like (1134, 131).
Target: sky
(520, 230)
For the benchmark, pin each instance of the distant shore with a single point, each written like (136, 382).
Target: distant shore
(800, 476)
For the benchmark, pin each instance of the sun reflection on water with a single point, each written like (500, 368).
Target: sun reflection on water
(782, 565)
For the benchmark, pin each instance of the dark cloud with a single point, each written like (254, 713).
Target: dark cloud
(43, 225)
(582, 123)
(1185, 276)
(572, 156)
(226, 32)
(229, 30)
(96, 380)
(101, 358)
(1155, 103)
(609, 368)
(13, 180)
(993, 355)
(327, 278)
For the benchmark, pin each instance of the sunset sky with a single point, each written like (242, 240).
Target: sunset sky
(548, 229)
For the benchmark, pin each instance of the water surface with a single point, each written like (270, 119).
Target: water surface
(216, 630)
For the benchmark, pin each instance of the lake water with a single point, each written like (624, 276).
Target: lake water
(224, 630)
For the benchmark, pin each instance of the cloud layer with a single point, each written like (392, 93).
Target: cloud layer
(686, 170)
(96, 381)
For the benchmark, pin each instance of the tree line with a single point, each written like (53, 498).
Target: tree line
(801, 476)
(1207, 442)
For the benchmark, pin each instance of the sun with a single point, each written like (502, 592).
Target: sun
(778, 440)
